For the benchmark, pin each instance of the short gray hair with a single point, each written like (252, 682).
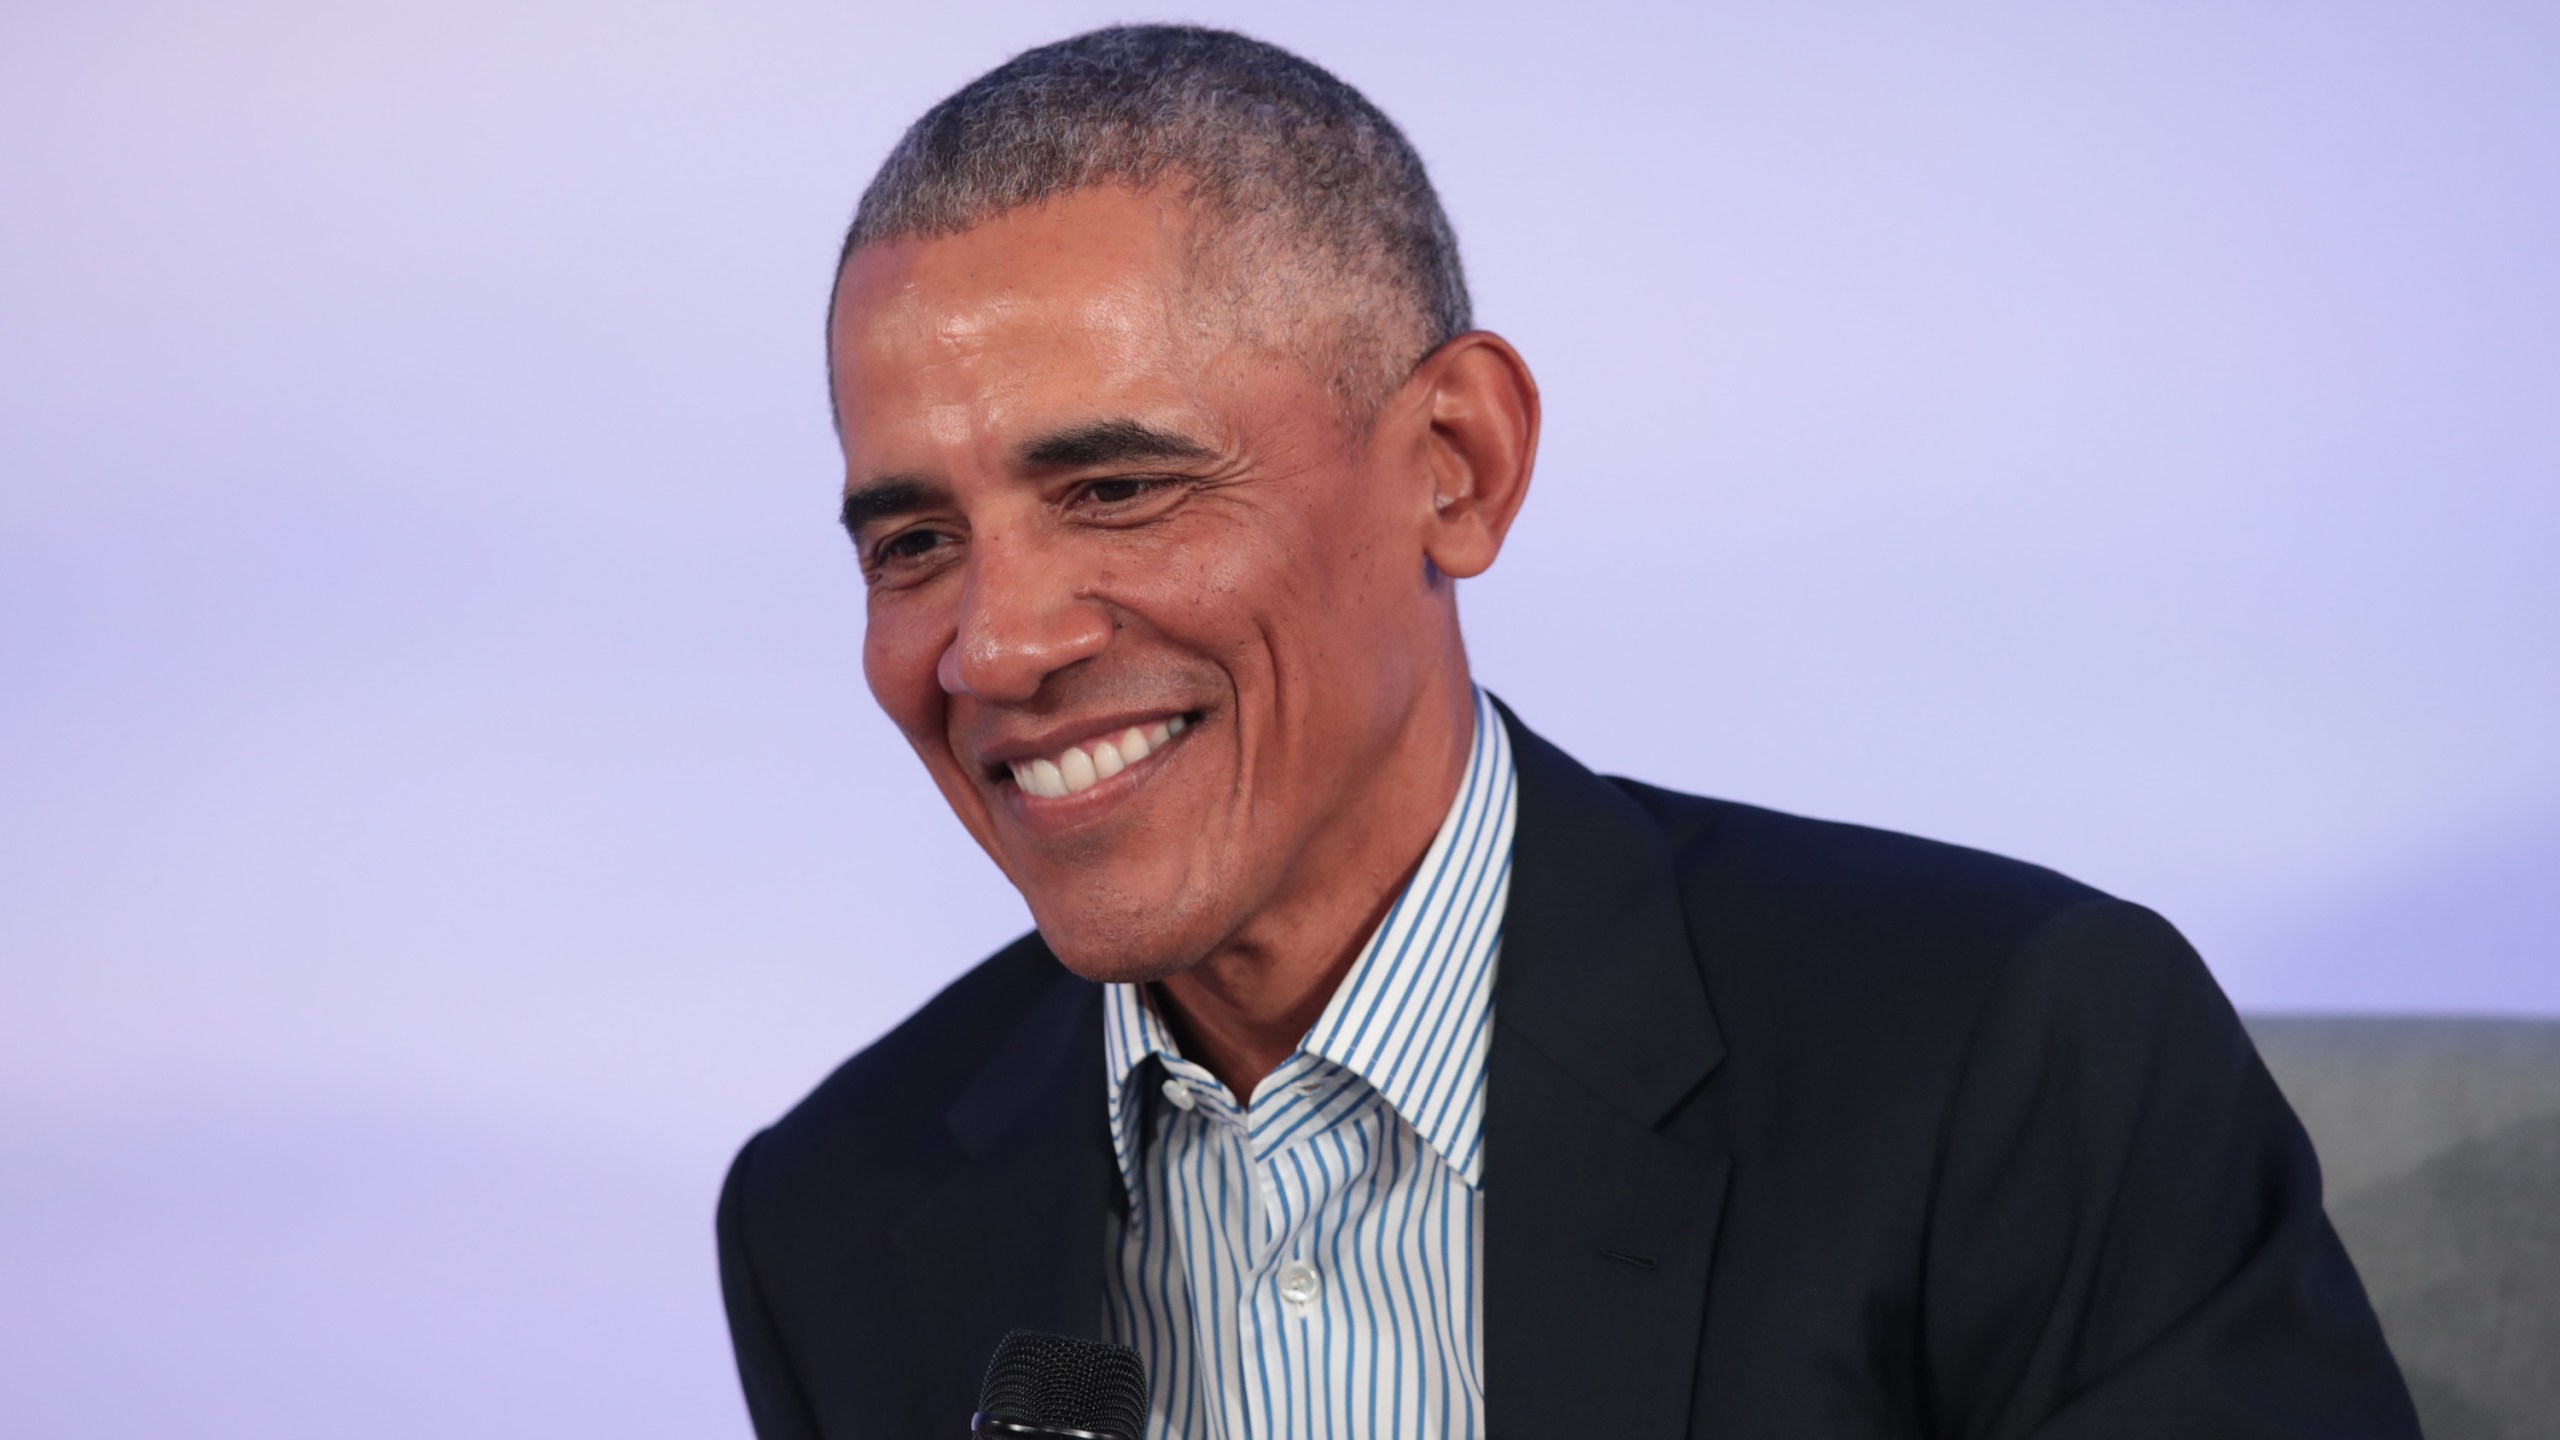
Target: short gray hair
(1312, 184)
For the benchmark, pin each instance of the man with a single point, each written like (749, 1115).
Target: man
(1376, 1069)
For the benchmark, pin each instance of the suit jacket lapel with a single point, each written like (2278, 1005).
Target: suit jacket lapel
(1013, 1240)
(1598, 1229)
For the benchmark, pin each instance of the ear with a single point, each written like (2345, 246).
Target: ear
(1480, 405)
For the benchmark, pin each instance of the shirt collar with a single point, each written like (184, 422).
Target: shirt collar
(1414, 1016)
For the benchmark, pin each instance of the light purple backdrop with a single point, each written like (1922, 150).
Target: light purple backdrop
(443, 814)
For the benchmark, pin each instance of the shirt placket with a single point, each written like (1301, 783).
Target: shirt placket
(1297, 1295)
(1262, 1312)
(1217, 1194)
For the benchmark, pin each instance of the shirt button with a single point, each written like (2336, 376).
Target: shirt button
(1299, 1282)
(1308, 1087)
(1179, 1092)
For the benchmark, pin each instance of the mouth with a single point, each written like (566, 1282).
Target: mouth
(1078, 767)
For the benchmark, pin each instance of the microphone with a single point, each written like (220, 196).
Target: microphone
(1061, 1388)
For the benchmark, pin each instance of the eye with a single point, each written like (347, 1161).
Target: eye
(1121, 489)
(908, 545)
(1126, 499)
(907, 556)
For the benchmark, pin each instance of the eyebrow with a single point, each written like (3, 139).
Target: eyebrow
(883, 499)
(1108, 442)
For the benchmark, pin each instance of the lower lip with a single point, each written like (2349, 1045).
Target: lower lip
(1051, 814)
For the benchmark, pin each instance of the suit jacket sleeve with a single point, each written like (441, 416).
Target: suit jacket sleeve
(774, 1399)
(2125, 1230)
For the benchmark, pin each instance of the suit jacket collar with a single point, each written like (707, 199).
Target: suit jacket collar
(1596, 965)
(1012, 1238)
(1598, 1229)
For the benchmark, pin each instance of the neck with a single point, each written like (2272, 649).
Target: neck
(1243, 1010)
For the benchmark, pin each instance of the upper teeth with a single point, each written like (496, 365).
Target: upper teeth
(1081, 766)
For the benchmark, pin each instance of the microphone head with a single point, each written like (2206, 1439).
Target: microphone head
(1056, 1385)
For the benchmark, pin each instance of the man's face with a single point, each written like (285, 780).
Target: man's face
(1152, 614)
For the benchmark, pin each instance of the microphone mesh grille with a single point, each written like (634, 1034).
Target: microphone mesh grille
(1060, 1382)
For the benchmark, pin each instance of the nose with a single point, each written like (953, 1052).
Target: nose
(1021, 620)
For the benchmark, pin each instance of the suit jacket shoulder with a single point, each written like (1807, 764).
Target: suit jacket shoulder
(870, 1252)
(1948, 1143)
(1728, 846)
(1856, 971)
(2002, 1150)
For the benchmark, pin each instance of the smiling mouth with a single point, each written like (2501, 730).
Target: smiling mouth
(1087, 763)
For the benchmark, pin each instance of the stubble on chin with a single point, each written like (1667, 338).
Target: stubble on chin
(1127, 942)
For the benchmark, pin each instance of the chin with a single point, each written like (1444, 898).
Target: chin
(1125, 948)
(1117, 969)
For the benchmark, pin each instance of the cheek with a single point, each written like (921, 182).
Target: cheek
(1336, 573)
(901, 645)
(1227, 591)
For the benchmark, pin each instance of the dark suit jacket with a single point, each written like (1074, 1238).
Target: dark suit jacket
(1793, 1129)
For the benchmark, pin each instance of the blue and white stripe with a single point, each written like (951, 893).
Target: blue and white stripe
(1306, 1265)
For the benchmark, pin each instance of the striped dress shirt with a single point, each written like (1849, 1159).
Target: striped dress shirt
(1305, 1265)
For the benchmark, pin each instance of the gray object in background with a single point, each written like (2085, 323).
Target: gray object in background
(2439, 1141)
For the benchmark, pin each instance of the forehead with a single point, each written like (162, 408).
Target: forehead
(1088, 293)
